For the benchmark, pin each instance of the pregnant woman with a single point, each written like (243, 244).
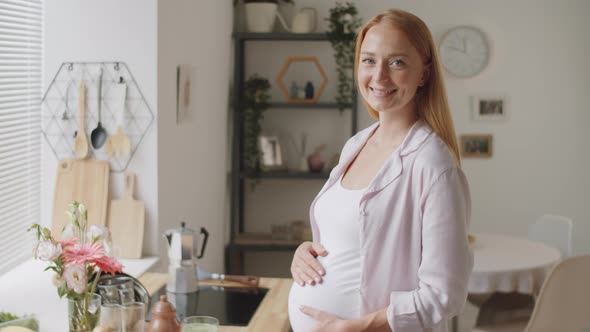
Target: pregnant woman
(390, 250)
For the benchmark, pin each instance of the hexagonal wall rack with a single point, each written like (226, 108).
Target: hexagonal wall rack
(317, 92)
(60, 113)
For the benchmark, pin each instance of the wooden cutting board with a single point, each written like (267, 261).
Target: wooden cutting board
(85, 181)
(126, 221)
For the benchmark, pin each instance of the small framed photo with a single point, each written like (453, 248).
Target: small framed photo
(272, 157)
(489, 108)
(476, 146)
(184, 89)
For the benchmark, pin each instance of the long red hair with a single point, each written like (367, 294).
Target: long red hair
(431, 101)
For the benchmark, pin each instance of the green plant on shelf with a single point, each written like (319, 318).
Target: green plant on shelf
(256, 99)
(343, 23)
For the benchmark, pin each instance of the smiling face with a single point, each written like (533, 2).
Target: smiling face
(390, 70)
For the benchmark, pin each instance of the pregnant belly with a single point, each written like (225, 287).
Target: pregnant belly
(337, 294)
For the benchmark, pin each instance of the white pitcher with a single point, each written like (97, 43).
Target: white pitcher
(260, 16)
(305, 20)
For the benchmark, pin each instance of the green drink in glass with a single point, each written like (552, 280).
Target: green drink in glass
(200, 324)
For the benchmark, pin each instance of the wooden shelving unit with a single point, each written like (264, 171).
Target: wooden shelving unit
(264, 242)
(239, 240)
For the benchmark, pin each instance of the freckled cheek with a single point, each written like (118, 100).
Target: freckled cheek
(363, 78)
(363, 84)
(405, 79)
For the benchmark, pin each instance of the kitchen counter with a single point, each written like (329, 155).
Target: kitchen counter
(271, 315)
(27, 289)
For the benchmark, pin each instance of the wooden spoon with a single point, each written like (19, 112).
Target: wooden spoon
(81, 141)
(119, 144)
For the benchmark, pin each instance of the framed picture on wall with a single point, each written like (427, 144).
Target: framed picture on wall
(272, 157)
(476, 146)
(492, 108)
(184, 87)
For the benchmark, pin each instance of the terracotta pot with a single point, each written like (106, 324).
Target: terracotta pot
(164, 317)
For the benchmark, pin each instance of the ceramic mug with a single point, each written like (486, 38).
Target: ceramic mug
(305, 20)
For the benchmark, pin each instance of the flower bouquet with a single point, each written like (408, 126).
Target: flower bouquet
(78, 259)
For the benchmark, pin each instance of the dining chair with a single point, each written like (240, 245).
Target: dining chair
(563, 303)
(555, 231)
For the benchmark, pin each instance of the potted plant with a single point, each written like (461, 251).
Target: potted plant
(255, 102)
(343, 23)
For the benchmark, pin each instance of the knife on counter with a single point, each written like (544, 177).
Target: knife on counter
(251, 281)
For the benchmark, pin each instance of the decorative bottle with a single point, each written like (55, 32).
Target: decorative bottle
(293, 91)
(309, 90)
(164, 317)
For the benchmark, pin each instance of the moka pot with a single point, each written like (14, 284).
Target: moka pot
(182, 256)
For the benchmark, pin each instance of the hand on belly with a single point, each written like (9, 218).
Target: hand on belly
(337, 294)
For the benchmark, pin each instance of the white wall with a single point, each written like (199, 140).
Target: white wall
(539, 62)
(180, 168)
(109, 30)
(192, 155)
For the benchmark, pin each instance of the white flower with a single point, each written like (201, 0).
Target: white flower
(82, 209)
(107, 245)
(48, 251)
(101, 234)
(97, 232)
(75, 277)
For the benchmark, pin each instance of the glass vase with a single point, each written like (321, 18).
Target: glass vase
(84, 314)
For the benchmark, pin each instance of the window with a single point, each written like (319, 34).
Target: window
(20, 112)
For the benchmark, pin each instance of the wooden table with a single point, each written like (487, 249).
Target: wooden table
(271, 315)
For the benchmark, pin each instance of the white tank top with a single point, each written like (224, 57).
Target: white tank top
(337, 215)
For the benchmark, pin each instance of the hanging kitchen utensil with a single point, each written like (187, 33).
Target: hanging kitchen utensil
(99, 135)
(81, 141)
(65, 116)
(118, 144)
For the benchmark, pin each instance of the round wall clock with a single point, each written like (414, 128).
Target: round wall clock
(464, 51)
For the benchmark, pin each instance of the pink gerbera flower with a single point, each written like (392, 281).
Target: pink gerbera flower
(82, 253)
(108, 265)
(69, 242)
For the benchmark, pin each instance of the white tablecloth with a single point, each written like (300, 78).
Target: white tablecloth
(504, 263)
